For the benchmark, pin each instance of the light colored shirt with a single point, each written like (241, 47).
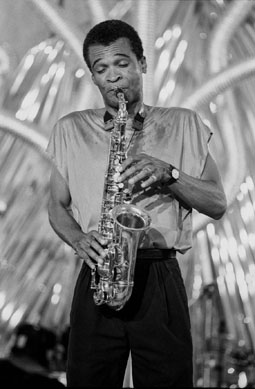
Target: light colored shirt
(79, 147)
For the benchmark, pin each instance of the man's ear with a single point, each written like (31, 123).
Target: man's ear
(93, 78)
(143, 64)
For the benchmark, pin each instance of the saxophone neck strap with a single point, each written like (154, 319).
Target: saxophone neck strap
(137, 122)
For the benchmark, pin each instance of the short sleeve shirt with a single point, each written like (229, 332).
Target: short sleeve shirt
(79, 147)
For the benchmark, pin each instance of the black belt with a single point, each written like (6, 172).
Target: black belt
(156, 254)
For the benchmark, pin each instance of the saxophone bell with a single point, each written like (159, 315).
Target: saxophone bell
(117, 273)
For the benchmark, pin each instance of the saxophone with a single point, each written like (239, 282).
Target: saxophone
(121, 223)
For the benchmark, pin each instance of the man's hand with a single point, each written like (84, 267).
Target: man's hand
(144, 168)
(90, 248)
(205, 193)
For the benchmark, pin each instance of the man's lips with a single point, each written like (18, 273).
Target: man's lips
(113, 90)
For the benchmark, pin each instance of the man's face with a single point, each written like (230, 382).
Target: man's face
(114, 66)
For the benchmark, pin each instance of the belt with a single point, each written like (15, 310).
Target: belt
(156, 254)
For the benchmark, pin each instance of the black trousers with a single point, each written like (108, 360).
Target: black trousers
(154, 324)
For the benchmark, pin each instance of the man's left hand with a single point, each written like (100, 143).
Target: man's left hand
(144, 168)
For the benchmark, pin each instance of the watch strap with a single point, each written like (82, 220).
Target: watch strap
(173, 173)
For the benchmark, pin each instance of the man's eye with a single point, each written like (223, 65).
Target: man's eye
(100, 71)
(123, 64)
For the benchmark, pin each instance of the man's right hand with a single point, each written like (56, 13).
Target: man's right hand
(90, 247)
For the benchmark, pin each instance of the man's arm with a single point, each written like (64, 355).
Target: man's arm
(206, 195)
(87, 246)
(60, 218)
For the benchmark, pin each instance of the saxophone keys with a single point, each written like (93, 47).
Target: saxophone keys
(116, 176)
(93, 284)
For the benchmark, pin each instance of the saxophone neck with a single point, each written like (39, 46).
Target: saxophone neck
(122, 114)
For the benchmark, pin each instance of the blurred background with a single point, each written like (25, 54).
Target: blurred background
(201, 55)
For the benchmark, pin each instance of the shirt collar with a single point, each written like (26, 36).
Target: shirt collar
(137, 121)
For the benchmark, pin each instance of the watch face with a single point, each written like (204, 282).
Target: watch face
(175, 174)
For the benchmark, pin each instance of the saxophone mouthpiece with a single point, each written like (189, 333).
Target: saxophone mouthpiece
(119, 91)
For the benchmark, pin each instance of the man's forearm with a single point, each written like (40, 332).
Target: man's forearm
(64, 224)
(204, 196)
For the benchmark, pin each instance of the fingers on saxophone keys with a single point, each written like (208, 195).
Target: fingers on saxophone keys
(91, 252)
(143, 174)
(127, 163)
(100, 239)
(151, 180)
(90, 263)
(147, 170)
(93, 260)
(96, 252)
(127, 175)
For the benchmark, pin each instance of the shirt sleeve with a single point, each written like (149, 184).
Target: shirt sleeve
(57, 149)
(198, 136)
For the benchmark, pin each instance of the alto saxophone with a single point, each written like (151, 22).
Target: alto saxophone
(121, 223)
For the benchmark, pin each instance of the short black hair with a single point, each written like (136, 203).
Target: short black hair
(109, 31)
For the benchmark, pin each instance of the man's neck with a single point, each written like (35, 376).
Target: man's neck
(132, 111)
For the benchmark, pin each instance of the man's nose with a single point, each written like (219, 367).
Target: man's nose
(113, 75)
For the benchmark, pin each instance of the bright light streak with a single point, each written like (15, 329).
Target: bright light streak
(48, 49)
(250, 183)
(21, 115)
(244, 188)
(242, 252)
(55, 299)
(251, 238)
(159, 43)
(224, 254)
(28, 62)
(242, 380)
(61, 70)
(79, 73)
(167, 35)
(231, 282)
(45, 78)
(176, 31)
(170, 86)
(213, 107)
(16, 317)
(224, 242)
(7, 312)
(3, 206)
(215, 256)
(247, 212)
(243, 236)
(33, 111)
(2, 299)
(57, 288)
(240, 196)
(30, 98)
(179, 56)
(164, 60)
(41, 45)
(163, 95)
(52, 54)
(210, 230)
(52, 70)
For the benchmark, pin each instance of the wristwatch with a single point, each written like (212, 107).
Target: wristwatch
(174, 174)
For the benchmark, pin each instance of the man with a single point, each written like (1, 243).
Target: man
(171, 172)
